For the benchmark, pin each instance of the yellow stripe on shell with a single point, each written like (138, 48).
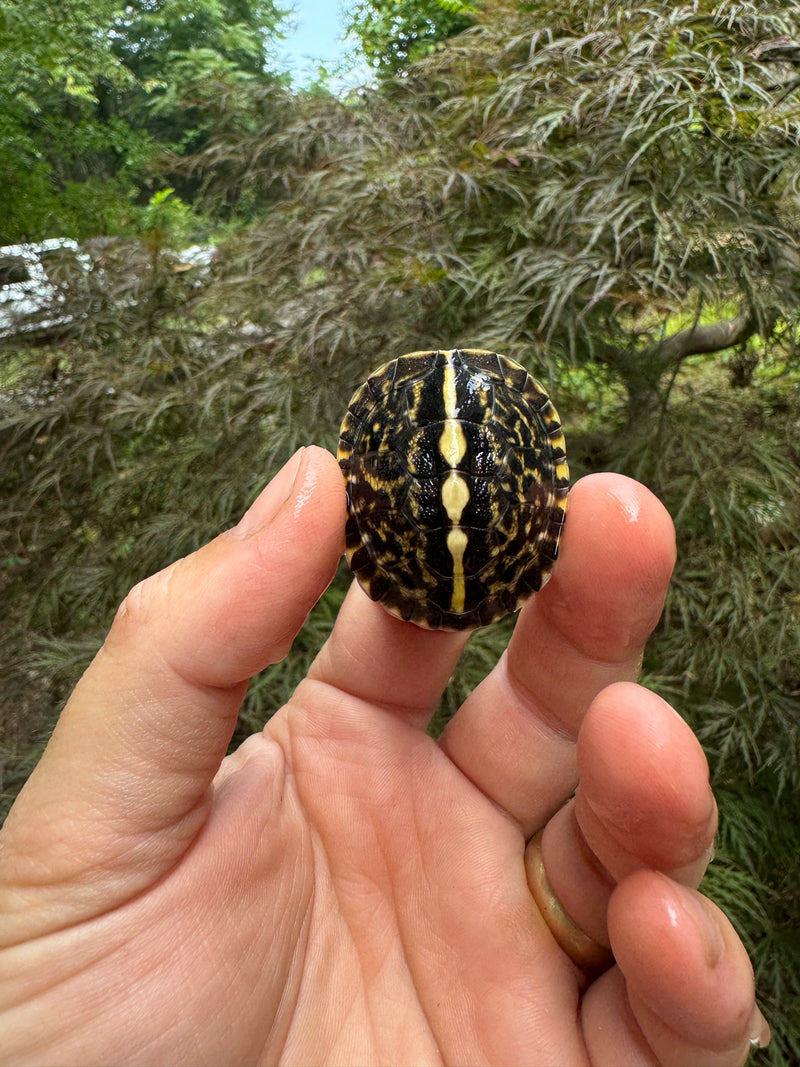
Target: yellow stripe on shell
(456, 544)
(452, 443)
(455, 489)
(455, 496)
(449, 386)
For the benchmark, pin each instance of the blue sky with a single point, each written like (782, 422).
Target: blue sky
(316, 39)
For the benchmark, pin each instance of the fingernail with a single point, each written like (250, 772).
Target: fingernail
(704, 918)
(760, 1034)
(267, 504)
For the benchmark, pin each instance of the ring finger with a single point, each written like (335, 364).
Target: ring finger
(644, 801)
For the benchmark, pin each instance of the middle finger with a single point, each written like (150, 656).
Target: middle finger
(514, 737)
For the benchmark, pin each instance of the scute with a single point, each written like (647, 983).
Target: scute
(457, 485)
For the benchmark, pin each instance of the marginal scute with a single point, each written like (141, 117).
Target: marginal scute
(457, 484)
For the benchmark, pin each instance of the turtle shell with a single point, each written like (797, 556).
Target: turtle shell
(457, 484)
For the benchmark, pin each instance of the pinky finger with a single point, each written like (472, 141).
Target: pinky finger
(682, 994)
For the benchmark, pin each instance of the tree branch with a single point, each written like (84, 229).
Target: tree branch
(697, 339)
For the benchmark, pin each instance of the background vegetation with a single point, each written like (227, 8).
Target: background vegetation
(609, 193)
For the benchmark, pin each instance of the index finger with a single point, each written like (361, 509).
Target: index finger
(515, 735)
(123, 786)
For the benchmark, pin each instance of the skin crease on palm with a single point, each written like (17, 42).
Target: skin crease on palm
(343, 889)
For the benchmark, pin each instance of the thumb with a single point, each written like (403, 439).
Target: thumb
(123, 786)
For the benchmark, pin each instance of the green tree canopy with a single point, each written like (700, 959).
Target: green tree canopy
(394, 33)
(91, 100)
(150, 36)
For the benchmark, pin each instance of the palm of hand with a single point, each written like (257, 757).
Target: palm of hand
(345, 889)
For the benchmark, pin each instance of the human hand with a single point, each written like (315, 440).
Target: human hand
(343, 888)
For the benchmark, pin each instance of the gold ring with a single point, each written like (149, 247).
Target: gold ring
(586, 953)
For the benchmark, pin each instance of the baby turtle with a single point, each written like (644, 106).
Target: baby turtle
(457, 484)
